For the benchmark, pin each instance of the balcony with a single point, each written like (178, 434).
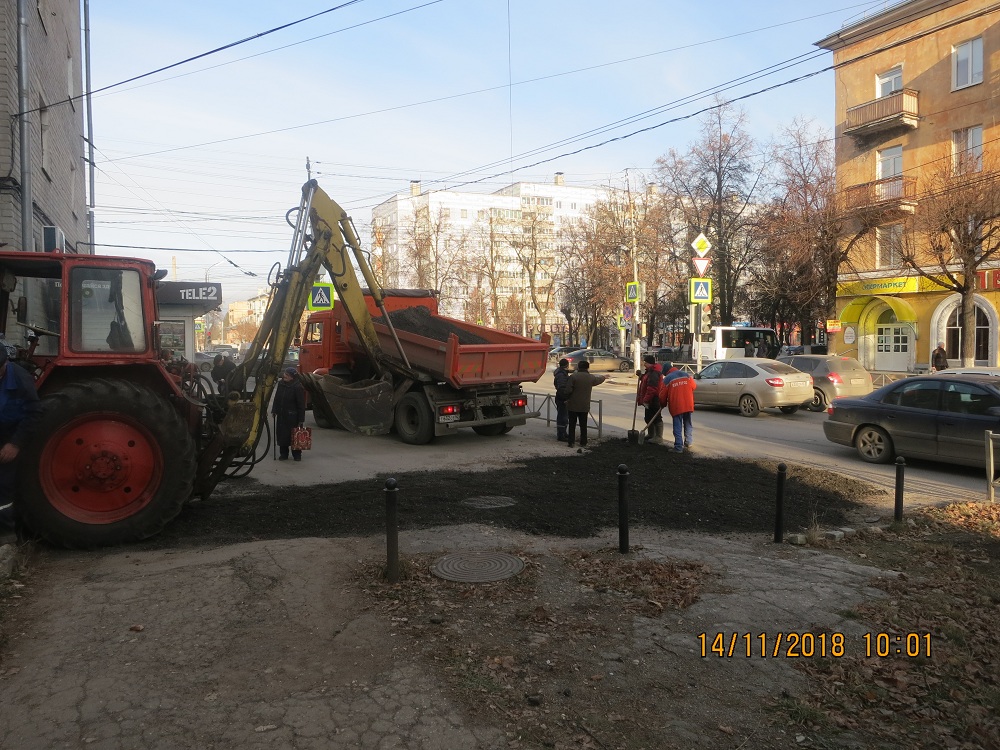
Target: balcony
(889, 194)
(898, 110)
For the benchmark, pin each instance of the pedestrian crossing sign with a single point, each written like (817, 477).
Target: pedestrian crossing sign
(321, 297)
(622, 323)
(700, 291)
(632, 291)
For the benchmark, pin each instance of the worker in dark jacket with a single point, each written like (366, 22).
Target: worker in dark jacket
(222, 366)
(19, 411)
(580, 386)
(289, 410)
(559, 379)
(648, 396)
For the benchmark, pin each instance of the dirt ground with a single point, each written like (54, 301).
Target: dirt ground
(585, 648)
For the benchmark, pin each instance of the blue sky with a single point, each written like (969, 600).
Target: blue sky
(205, 159)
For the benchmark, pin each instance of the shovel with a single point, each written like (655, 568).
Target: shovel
(633, 434)
(641, 438)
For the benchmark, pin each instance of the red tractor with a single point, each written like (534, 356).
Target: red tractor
(125, 437)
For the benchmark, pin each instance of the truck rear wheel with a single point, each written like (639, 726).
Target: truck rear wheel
(414, 419)
(110, 462)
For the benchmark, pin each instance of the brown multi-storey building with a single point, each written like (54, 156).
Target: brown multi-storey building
(916, 87)
(54, 142)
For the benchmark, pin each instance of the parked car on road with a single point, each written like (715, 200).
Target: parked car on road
(753, 383)
(558, 352)
(601, 360)
(833, 377)
(204, 360)
(941, 417)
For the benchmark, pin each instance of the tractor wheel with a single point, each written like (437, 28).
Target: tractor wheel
(414, 420)
(491, 430)
(110, 462)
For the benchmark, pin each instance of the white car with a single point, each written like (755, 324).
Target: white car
(751, 384)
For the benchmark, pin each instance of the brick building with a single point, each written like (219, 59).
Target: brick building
(55, 132)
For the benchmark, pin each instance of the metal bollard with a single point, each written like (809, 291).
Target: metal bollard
(391, 531)
(900, 467)
(622, 508)
(779, 506)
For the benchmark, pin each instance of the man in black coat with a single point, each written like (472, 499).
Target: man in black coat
(289, 410)
(222, 366)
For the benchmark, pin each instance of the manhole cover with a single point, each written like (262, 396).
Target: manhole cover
(489, 501)
(477, 567)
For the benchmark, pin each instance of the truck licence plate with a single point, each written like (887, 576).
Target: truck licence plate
(449, 417)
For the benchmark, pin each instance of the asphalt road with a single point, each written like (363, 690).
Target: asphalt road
(795, 438)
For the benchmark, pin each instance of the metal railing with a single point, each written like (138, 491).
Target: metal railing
(900, 107)
(548, 401)
(991, 475)
(899, 189)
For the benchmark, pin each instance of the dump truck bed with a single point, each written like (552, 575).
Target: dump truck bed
(459, 353)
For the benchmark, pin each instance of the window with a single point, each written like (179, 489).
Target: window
(889, 82)
(963, 398)
(445, 213)
(888, 246)
(106, 311)
(967, 63)
(465, 213)
(967, 149)
(953, 334)
(890, 162)
(915, 395)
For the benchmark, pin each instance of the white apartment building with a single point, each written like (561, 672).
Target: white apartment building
(483, 252)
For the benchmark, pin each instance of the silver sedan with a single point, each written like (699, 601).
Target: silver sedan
(751, 384)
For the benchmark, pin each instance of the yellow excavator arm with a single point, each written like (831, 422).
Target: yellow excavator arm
(324, 237)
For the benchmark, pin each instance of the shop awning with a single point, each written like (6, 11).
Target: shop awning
(904, 311)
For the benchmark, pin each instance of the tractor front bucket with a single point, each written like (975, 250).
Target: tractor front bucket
(364, 407)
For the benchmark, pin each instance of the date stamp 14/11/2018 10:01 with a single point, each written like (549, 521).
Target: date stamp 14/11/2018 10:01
(806, 644)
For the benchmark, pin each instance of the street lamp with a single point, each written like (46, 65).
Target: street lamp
(219, 263)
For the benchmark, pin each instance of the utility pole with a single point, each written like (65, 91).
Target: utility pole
(636, 314)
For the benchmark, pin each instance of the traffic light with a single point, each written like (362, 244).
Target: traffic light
(706, 318)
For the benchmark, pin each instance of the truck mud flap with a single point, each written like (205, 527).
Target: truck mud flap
(364, 407)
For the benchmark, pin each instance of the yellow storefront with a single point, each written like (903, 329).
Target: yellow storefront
(893, 324)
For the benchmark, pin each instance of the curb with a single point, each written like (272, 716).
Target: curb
(10, 561)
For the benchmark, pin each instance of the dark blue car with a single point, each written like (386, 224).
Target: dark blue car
(941, 417)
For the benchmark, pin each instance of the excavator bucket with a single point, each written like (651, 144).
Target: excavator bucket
(364, 406)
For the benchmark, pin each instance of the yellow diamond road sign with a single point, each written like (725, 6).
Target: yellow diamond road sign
(701, 245)
(700, 291)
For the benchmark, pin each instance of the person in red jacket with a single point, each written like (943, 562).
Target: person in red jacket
(648, 395)
(677, 392)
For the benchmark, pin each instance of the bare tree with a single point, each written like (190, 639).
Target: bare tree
(955, 232)
(245, 329)
(436, 253)
(715, 186)
(533, 241)
(487, 263)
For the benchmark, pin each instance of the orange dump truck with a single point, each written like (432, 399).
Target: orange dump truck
(445, 373)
